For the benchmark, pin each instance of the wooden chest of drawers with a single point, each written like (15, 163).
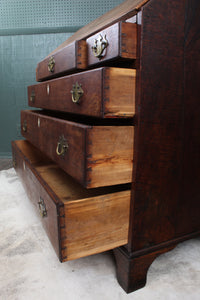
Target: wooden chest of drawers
(113, 160)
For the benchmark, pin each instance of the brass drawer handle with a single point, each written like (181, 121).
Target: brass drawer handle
(42, 208)
(62, 146)
(99, 47)
(51, 64)
(77, 92)
(24, 126)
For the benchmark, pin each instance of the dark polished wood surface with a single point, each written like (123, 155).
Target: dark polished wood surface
(165, 206)
(189, 201)
(71, 58)
(166, 176)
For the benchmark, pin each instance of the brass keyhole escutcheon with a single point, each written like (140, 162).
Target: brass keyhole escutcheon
(51, 64)
(62, 146)
(24, 126)
(32, 97)
(42, 208)
(77, 92)
(100, 45)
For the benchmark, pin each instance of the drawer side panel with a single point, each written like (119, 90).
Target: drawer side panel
(97, 224)
(109, 155)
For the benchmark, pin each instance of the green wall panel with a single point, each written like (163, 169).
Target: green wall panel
(37, 16)
(18, 60)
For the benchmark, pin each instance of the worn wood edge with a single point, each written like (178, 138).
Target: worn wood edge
(123, 11)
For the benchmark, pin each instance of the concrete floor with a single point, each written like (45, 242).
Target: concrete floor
(30, 268)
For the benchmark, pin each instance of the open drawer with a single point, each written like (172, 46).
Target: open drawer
(78, 222)
(92, 153)
(103, 92)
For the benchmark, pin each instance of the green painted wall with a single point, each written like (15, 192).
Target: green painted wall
(29, 31)
(18, 59)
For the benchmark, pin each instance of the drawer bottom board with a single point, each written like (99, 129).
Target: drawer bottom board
(78, 222)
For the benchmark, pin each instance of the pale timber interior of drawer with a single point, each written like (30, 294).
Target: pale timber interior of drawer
(67, 189)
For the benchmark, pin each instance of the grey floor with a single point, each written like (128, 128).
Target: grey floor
(5, 163)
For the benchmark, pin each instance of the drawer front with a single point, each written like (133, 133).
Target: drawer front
(93, 155)
(104, 92)
(46, 208)
(78, 222)
(115, 42)
(70, 58)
